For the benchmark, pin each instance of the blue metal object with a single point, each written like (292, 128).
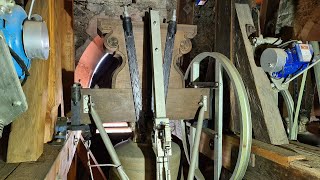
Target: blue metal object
(201, 2)
(298, 58)
(11, 24)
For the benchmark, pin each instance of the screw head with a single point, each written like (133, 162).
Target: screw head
(16, 103)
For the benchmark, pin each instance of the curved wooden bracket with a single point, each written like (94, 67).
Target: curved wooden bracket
(111, 28)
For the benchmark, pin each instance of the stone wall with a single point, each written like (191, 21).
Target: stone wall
(86, 12)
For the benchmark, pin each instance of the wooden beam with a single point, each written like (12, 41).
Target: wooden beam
(185, 12)
(266, 169)
(306, 20)
(310, 31)
(223, 40)
(116, 105)
(68, 56)
(7, 169)
(273, 153)
(266, 119)
(82, 153)
(268, 17)
(43, 91)
(72, 174)
(54, 163)
(54, 80)
(290, 161)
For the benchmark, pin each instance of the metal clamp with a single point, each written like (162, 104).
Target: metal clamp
(86, 101)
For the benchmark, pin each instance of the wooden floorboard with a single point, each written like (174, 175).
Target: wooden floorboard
(38, 169)
(6, 169)
(54, 163)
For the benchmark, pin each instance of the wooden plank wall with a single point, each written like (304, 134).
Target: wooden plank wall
(44, 87)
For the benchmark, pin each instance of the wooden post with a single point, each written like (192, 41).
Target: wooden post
(266, 119)
(27, 131)
(44, 87)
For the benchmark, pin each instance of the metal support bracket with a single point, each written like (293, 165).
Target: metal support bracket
(162, 133)
(86, 100)
(13, 101)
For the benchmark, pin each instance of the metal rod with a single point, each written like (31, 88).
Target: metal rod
(294, 130)
(316, 62)
(30, 10)
(195, 147)
(218, 121)
(290, 108)
(107, 142)
(315, 46)
(184, 140)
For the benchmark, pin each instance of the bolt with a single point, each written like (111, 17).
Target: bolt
(16, 103)
(113, 42)
(75, 141)
(211, 144)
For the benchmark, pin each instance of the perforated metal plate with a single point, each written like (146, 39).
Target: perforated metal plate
(12, 99)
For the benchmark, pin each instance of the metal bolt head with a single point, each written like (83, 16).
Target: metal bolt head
(112, 42)
(16, 103)
(211, 144)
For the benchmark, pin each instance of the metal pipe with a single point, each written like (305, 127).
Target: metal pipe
(195, 147)
(30, 10)
(315, 46)
(294, 130)
(107, 142)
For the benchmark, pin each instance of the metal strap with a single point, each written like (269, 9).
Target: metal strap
(134, 75)
(133, 65)
(167, 61)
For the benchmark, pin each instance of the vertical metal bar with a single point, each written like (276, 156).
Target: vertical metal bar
(218, 121)
(294, 129)
(315, 46)
(162, 143)
(195, 72)
(159, 99)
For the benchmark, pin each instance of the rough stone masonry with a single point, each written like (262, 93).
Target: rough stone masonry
(87, 11)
